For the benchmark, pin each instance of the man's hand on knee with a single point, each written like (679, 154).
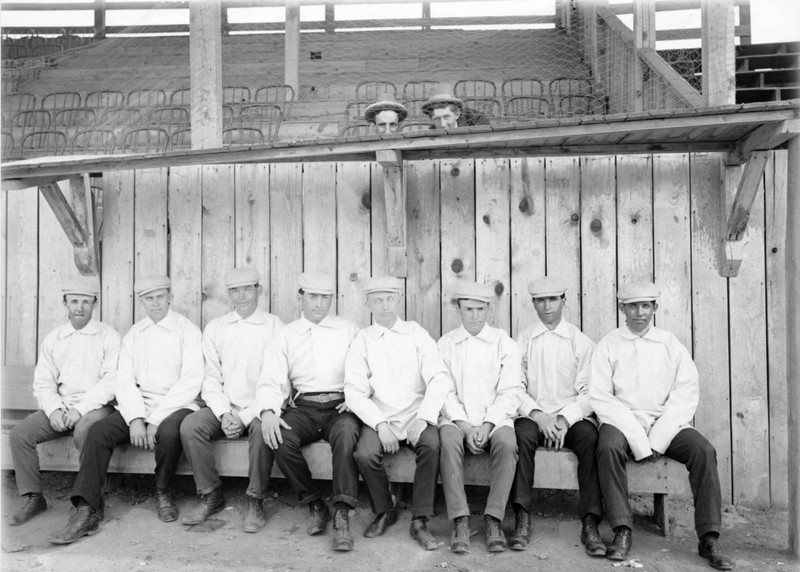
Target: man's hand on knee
(71, 417)
(271, 429)
(57, 422)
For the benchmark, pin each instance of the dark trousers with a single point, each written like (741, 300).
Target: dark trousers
(309, 424)
(688, 447)
(369, 456)
(581, 439)
(111, 432)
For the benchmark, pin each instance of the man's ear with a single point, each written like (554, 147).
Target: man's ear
(655, 306)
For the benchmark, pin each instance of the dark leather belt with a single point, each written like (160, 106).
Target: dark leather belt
(320, 397)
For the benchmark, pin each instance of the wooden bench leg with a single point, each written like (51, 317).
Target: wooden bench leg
(661, 512)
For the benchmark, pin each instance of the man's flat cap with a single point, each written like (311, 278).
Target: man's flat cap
(473, 291)
(317, 283)
(383, 284)
(385, 103)
(83, 285)
(244, 276)
(442, 95)
(546, 287)
(638, 292)
(149, 283)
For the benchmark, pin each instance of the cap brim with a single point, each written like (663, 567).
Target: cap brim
(375, 108)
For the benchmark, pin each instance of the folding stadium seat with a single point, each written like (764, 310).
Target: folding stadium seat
(414, 107)
(105, 98)
(61, 100)
(229, 116)
(7, 145)
(93, 142)
(180, 139)
(489, 106)
(574, 105)
(145, 140)
(419, 89)
(32, 120)
(527, 107)
(43, 144)
(356, 129)
(523, 86)
(354, 111)
(235, 136)
(15, 52)
(265, 117)
(120, 119)
(414, 126)
(236, 95)
(170, 117)
(564, 86)
(181, 96)
(46, 50)
(74, 119)
(471, 88)
(147, 98)
(372, 90)
(280, 95)
(19, 102)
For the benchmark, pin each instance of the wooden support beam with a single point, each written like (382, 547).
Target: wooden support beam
(717, 37)
(99, 19)
(644, 37)
(205, 72)
(763, 138)
(793, 339)
(291, 69)
(745, 195)
(393, 186)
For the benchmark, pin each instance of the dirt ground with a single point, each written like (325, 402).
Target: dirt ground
(132, 538)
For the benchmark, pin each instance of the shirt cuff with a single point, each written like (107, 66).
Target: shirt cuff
(572, 413)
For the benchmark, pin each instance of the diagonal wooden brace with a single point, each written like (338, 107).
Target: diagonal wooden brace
(393, 187)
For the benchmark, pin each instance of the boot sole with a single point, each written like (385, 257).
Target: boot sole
(191, 522)
(77, 538)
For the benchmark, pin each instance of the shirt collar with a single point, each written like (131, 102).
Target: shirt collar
(89, 329)
(168, 322)
(256, 317)
(487, 334)
(562, 329)
(653, 334)
(304, 324)
(400, 326)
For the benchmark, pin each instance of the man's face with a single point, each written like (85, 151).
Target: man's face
(473, 315)
(638, 315)
(79, 309)
(549, 309)
(387, 122)
(315, 306)
(445, 117)
(245, 299)
(384, 307)
(156, 303)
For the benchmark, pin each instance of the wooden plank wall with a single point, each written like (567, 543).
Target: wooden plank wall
(596, 221)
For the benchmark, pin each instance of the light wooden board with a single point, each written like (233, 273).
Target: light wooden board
(527, 237)
(598, 246)
(219, 252)
(150, 226)
(286, 238)
(634, 218)
(562, 204)
(710, 309)
(672, 244)
(748, 366)
(319, 220)
(380, 240)
(118, 250)
(457, 184)
(492, 223)
(186, 240)
(252, 221)
(775, 220)
(423, 285)
(353, 239)
(21, 276)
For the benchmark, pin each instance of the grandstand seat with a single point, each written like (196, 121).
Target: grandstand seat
(61, 100)
(180, 139)
(145, 140)
(521, 86)
(93, 142)
(181, 96)
(229, 116)
(170, 117)
(354, 111)
(412, 126)
(120, 119)
(419, 89)
(19, 102)
(280, 95)
(105, 98)
(564, 86)
(43, 144)
(147, 98)
(10, 80)
(574, 105)
(14, 52)
(236, 95)
(372, 90)
(265, 117)
(489, 106)
(74, 117)
(356, 129)
(35, 119)
(7, 145)
(242, 136)
(527, 107)
(414, 107)
(471, 88)
(46, 50)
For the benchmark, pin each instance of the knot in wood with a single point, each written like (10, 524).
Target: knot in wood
(499, 288)
(574, 217)
(455, 171)
(596, 225)
(486, 219)
(524, 205)
(353, 277)
(457, 265)
(366, 201)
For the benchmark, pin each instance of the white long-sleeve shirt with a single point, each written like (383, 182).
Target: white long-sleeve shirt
(556, 365)
(234, 349)
(76, 368)
(395, 375)
(307, 357)
(160, 369)
(486, 375)
(647, 387)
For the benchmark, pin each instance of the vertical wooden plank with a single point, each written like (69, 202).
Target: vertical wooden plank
(492, 222)
(218, 255)
(423, 285)
(748, 365)
(118, 249)
(527, 237)
(717, 39)
(672, 244)
(380, 241)
(353, 240)
(150, 226)
(598, 246)
(634, 218)
(205, 64)
(319, 218)
(251, 184)
(562, 207)
(186, 240)
(793, 339)
(21, 215)
(286, 238)
(710, 309)
(291, 68)
(457, 183)
(775, 191)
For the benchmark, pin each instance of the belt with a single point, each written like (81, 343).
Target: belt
(320, 397)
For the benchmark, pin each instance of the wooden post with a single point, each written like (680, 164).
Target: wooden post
(291, 70)
(392, 163)
(644, 36)
(744, 22)
(330, 18)
(793, 339)
(99, 19)
(717, 36)
(205, 71)
(426, 14)
(590, 37)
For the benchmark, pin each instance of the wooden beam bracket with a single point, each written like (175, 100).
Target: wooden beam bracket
(766, 137)
(391, 160)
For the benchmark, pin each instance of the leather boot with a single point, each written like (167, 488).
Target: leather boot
(459, 541)
(318, 515)
(34, 504)
(419, 531)
(522, 531)
(342, 540)
(209, 504)
(708, 547)
(254, 520)
(495, 538)
(590, 537)
(621, 545)
(85, 522)
(382, 521)
(167, 511)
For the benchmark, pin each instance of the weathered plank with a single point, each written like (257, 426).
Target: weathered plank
(527, 237)
(150, 226)
(319, 219)
(251, 186)
(562, 208)
(598, 247)
(380, 241)
(492, 221)
(21, 276)
(286, 238)
(219, 253)
(710, 309)
(186, 240)
(353, 238)
(423, 285)
(634, 218)
(457, 183)
(117, 235)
